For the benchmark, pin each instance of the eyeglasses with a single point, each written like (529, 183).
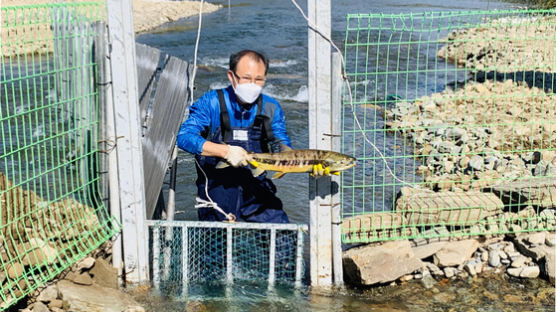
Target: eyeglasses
(245, 79)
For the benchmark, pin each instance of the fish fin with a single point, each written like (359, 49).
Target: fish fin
(278, 175)
(284, 147)
(222, 164)
(257, 171)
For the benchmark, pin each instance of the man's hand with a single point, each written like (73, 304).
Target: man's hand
(237, 156)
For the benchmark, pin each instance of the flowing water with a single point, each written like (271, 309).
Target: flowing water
(276, 28)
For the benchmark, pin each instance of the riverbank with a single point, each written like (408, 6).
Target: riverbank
(147, 15)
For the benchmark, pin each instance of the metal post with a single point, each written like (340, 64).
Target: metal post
(108, 139)
(156, 257)
(171, 207)
(272, 258)
(320, 138)
(229, 262)
(336, 113)
(299, 258)
(128, 134)
(185, 260)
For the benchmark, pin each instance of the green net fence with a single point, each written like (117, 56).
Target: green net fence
(189, 257)
(51, 214)
(452, 117)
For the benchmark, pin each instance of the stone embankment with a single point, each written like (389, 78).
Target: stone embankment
(521, 256)
(488, 164)
(147, 15)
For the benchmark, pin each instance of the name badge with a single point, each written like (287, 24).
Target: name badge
(240, 135)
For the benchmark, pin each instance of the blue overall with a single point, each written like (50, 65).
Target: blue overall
(235, 190)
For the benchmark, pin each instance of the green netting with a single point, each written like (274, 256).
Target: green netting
(188, 257)
(461, 106)
(50, 211)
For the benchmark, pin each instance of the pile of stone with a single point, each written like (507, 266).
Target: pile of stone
(507, 44)
(430, 260)
(38, 237)
(89, 285)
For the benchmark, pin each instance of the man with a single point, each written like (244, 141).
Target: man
(224, 125)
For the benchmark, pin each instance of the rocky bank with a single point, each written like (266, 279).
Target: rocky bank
(488, 164)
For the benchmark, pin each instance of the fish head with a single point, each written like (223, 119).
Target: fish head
(339, 162)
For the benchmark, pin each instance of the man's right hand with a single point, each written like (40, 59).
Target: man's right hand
(237, 156)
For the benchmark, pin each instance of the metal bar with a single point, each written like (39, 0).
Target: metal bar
(237, 225)
(299, 258)
(156, 255)
(319, 13)
(171, 207)
(229, 261)
(130, 160)
(336, 113)
(272, 257)
(167, 253)
(185, 260)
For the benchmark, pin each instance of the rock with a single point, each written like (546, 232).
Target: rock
(455, 253)
(470, 269)
(494, 258)
(428, 281)
(518, 262)
(515, 272)
(502, 254)
(40, 307)
(536, 252)
(86, 264)
(406, 278)
(455, 208)
(505, 261)
(369, 265)
(536, 238)
(476, 163)
(427, 250)
(484, 256)
(479, 267)
(56, 303)
(83, 279)
(48, 294)
(376, 225)
(530, 272)
(549, 241)
(449, 271)
(79, 298)
(434, 269)
(104, 274)
(530, 191)
(15, 270)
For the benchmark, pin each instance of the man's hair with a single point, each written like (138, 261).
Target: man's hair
(254, 55)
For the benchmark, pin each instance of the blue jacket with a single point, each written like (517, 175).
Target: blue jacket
(205, 115)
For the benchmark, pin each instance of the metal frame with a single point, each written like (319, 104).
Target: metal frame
(273, 227)
(128, 140)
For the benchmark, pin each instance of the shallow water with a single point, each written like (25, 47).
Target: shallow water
(276, 28)
(494, 292)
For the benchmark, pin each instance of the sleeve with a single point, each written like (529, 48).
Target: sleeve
(279, 129)
(189, 136)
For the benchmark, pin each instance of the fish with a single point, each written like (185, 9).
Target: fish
(295, 161)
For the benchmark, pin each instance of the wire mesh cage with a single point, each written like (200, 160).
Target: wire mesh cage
(189, 255)
(452, 117)
(51, 214)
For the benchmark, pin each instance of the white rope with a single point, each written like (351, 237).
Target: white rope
(344, 76)
(201, 203)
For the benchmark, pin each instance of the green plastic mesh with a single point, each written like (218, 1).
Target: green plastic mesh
(461, 109)
(189, 257)
(51, 214)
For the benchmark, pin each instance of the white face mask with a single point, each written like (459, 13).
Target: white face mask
(247, 92)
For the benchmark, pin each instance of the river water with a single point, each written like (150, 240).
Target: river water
(276, 28)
